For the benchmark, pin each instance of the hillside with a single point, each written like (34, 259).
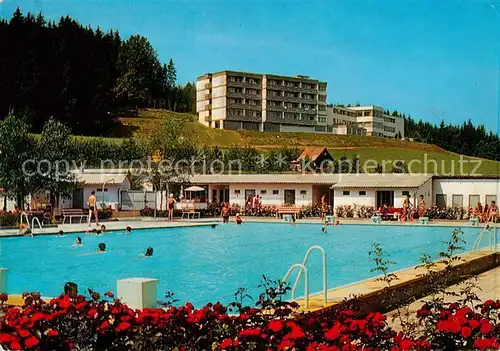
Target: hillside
(368, 148)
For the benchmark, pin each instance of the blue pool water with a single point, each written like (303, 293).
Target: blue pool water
(203, 265)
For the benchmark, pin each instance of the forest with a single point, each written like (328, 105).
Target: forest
(82, 76)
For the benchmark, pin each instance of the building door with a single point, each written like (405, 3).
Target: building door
(78, 198)
(441, 200)
(289, 196)
(385, 198)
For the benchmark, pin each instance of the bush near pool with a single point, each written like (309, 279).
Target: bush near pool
(107, 324)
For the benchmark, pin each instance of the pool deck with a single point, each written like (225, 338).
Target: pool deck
(373, 286)
(488, 282)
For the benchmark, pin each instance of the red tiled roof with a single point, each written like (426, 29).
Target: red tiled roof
(311, 153)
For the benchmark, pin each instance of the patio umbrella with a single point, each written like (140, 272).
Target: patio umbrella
(194, 188)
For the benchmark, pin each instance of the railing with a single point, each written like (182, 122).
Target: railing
(306, 283)
(35, 219)
(25, 215)
(304, 263)
(492, 240)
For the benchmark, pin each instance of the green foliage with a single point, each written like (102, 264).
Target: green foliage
(8, 219)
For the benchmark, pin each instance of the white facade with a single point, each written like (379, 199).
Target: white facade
(466, 191)
(272, 194)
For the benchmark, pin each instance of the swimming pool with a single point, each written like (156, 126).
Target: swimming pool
(202, 264)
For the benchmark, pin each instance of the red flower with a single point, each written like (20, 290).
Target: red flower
(486, 344)
(489, 303)
(39, 317)
(474, 324)
(53, 332)
(15, 345)
(109, 294)
(486, 328)
(249, 332)
(286, 344)
(466, 332)
(23, 333)
(4, 297)
(406, 344)
(31, 342)
(275, 325)
(243, 317)
(123, 326)
(92, 313)
(125, 318)
(334, 332)
(236, 343)
(226, 343)
(253, 311)
(104, 325)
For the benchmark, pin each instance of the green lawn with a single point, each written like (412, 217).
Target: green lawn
(420, 157)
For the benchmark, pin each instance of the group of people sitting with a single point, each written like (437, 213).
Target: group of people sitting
(486, 214)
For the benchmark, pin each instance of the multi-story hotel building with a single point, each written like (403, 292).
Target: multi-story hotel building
(371, 119)
(265, 102)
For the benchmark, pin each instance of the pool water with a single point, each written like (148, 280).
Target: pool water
(204, 264)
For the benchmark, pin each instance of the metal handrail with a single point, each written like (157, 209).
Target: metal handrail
(492, 239)
(306, 283)
(304, 263)
(33, 223)
(25, 215)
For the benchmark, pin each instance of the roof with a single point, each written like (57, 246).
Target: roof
(386, 180)
(101, 176)
(312, 153)
(335, 180)
(280, 178)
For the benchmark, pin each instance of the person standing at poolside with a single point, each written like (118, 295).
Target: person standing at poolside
(421, 206)
(406, 209)
(493, 212)
(92, 203)
(225, 213)
(324, 208)
(171, 204)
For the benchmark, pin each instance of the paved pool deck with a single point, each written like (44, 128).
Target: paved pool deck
(488, 285)
(147, 222)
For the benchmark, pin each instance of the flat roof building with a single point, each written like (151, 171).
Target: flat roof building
(265, 102)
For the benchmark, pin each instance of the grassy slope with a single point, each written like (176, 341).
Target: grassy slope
(368, 148)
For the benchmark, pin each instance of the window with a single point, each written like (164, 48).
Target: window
(263, 192)
(405, 193)
(457, 200)
(441, 200)
(474, 200)
(276, 192)
(490, 198)
(237, 192)
(102, 197)
(362, 193)
(303, 192)
(346, 193)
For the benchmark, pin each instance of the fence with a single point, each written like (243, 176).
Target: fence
(137, 199)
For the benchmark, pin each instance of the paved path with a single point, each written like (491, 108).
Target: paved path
(489, 283)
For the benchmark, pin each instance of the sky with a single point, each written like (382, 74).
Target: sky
(431, 59)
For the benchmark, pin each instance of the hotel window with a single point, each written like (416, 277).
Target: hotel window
(490, 198)
(303, 192)
(474, 200)
(457, 200)
(441, 200)
(362, 193)
(237, 192)
(346, 193)
(276, 192)
(405, 193)
(263, 192)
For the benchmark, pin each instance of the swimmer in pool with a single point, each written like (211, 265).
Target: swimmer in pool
(214, 225)
(324, 230)
(292, 222)
(101, 248)
(149, 252)
(78, 241)
(128, 230)
(103, 228)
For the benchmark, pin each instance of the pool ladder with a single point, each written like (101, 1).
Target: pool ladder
(34, 220)
(303, 269)
(489, 228)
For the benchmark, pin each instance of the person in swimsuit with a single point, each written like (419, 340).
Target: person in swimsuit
(171, 204)
(492, 216)
(71, 289)
(92, 202)
(406, 209)
(478, 211)
(225, 213)
(485, 214)
(324, 208)
(78, 241)
(128, 230)
(149, 252)
(421, 206)
(238, 219)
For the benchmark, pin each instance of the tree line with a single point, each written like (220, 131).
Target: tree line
(466, 139)
(81, 76)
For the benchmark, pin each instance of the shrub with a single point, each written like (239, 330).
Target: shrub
(8, 219)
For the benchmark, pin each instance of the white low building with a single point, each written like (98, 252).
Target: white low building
(465, 191)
